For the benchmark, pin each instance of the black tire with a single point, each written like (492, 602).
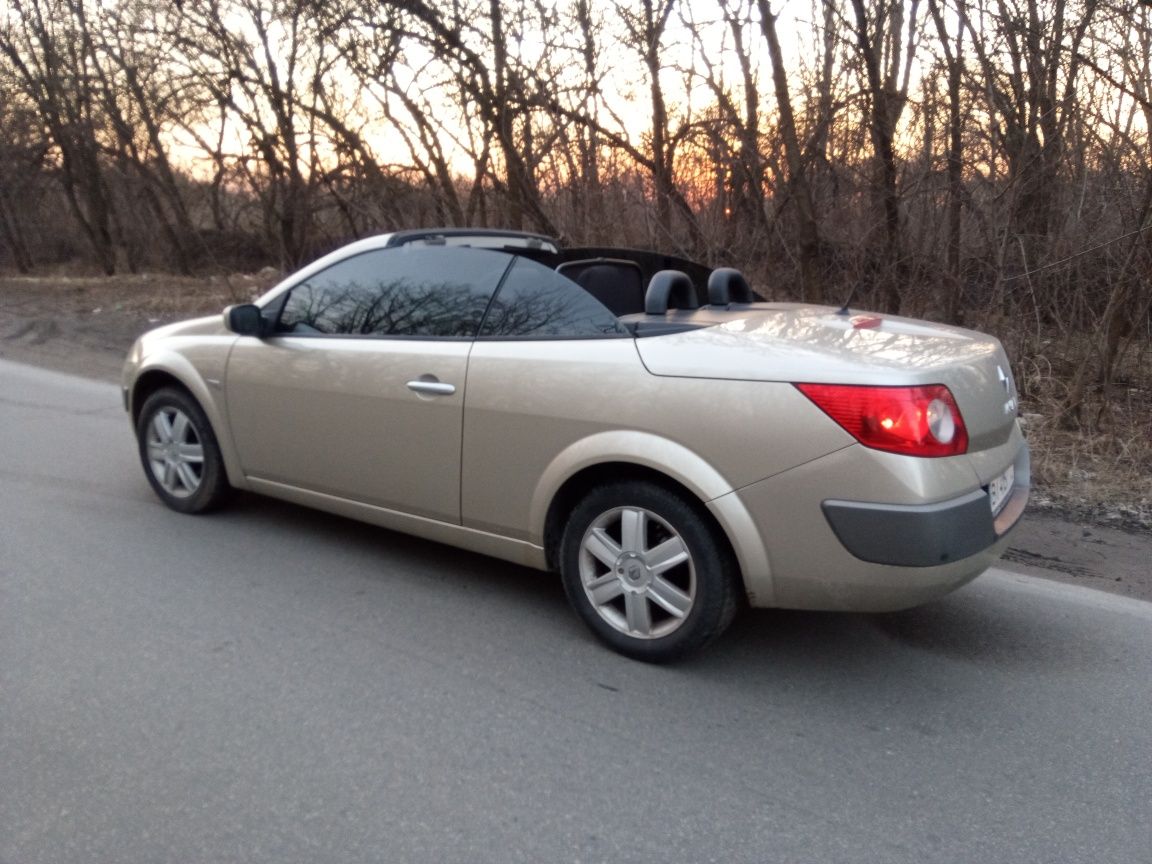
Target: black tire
(181, 482)
(708, 578)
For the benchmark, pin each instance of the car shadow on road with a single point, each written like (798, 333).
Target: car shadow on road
(408, 557)
(974, 626)
(977, 628)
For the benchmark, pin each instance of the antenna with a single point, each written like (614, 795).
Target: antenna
(843, 310)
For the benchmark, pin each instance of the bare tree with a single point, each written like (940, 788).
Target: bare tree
(22, 153)
(645, 25)
(138, 99)
(265, 74)
(952, 46)
(886, 36)
(41, 42)
(1029, 55)
(799, 189)
(472, 41)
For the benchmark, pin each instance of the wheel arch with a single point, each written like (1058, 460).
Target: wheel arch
(147, 383)
(642, 456)
(576, 487)
(179, 373)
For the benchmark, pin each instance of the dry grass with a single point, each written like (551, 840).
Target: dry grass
(1101, 471)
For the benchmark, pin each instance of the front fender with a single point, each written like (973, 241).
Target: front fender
(200, 369)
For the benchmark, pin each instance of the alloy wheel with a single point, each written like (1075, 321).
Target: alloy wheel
(175, 453)
(637, 572)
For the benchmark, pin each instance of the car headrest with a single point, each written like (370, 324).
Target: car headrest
(726, 285)
(670, 289)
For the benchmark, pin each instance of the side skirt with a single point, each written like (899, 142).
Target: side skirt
(507, 549)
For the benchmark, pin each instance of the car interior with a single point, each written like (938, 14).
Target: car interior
(650, 293)
(671, 301)
(616, 283)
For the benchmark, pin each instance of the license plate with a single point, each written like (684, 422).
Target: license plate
(1000, 488)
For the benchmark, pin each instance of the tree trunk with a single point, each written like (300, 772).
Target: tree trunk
(808, 229)
(13, 235)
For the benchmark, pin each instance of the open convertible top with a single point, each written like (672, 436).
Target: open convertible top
(617, 276)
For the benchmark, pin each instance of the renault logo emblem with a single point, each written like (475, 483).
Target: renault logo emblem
(1006, 383)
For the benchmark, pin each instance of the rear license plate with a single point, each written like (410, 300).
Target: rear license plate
(1000, 488)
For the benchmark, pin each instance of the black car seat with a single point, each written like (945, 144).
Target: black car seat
(619, 285)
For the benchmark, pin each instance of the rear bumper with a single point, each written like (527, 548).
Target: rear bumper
(825, 548)
(926, 535)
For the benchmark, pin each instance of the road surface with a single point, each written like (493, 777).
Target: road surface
(270, 684)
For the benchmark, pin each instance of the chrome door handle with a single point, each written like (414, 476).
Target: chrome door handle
(438, 388)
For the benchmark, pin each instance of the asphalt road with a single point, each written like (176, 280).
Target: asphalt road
(274, 685)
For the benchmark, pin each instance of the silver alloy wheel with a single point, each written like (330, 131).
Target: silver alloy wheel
(175, 453)
(637, 572)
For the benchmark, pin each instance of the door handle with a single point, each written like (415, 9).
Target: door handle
(437, 388)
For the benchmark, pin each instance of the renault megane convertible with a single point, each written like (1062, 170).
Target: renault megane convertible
(643, 425)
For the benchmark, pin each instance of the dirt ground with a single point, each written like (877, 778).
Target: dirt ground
(84, 325)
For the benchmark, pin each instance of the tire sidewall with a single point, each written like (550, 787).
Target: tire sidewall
(716, 580)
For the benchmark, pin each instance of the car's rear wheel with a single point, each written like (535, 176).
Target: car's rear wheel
(647, 572)
(179, 452)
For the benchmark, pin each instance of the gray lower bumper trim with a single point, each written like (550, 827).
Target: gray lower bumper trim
(920, 535)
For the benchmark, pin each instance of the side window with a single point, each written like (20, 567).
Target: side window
(406, 291)
(538, 303)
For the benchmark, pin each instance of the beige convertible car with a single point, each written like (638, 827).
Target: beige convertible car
(672, 446)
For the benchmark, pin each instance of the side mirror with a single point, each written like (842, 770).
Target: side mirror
(244, 320)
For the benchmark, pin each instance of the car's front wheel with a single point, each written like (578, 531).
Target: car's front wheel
(179, 452)
(647, 572)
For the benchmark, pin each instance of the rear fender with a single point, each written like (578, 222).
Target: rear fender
(676, 462)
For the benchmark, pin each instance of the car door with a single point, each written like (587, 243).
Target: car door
(359, 392)
(551, 366)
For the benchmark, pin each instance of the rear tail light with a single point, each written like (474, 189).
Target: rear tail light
(912, 421)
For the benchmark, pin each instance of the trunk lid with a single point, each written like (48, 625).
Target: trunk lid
(814, 344)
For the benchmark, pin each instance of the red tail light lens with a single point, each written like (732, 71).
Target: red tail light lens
(912, 421)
